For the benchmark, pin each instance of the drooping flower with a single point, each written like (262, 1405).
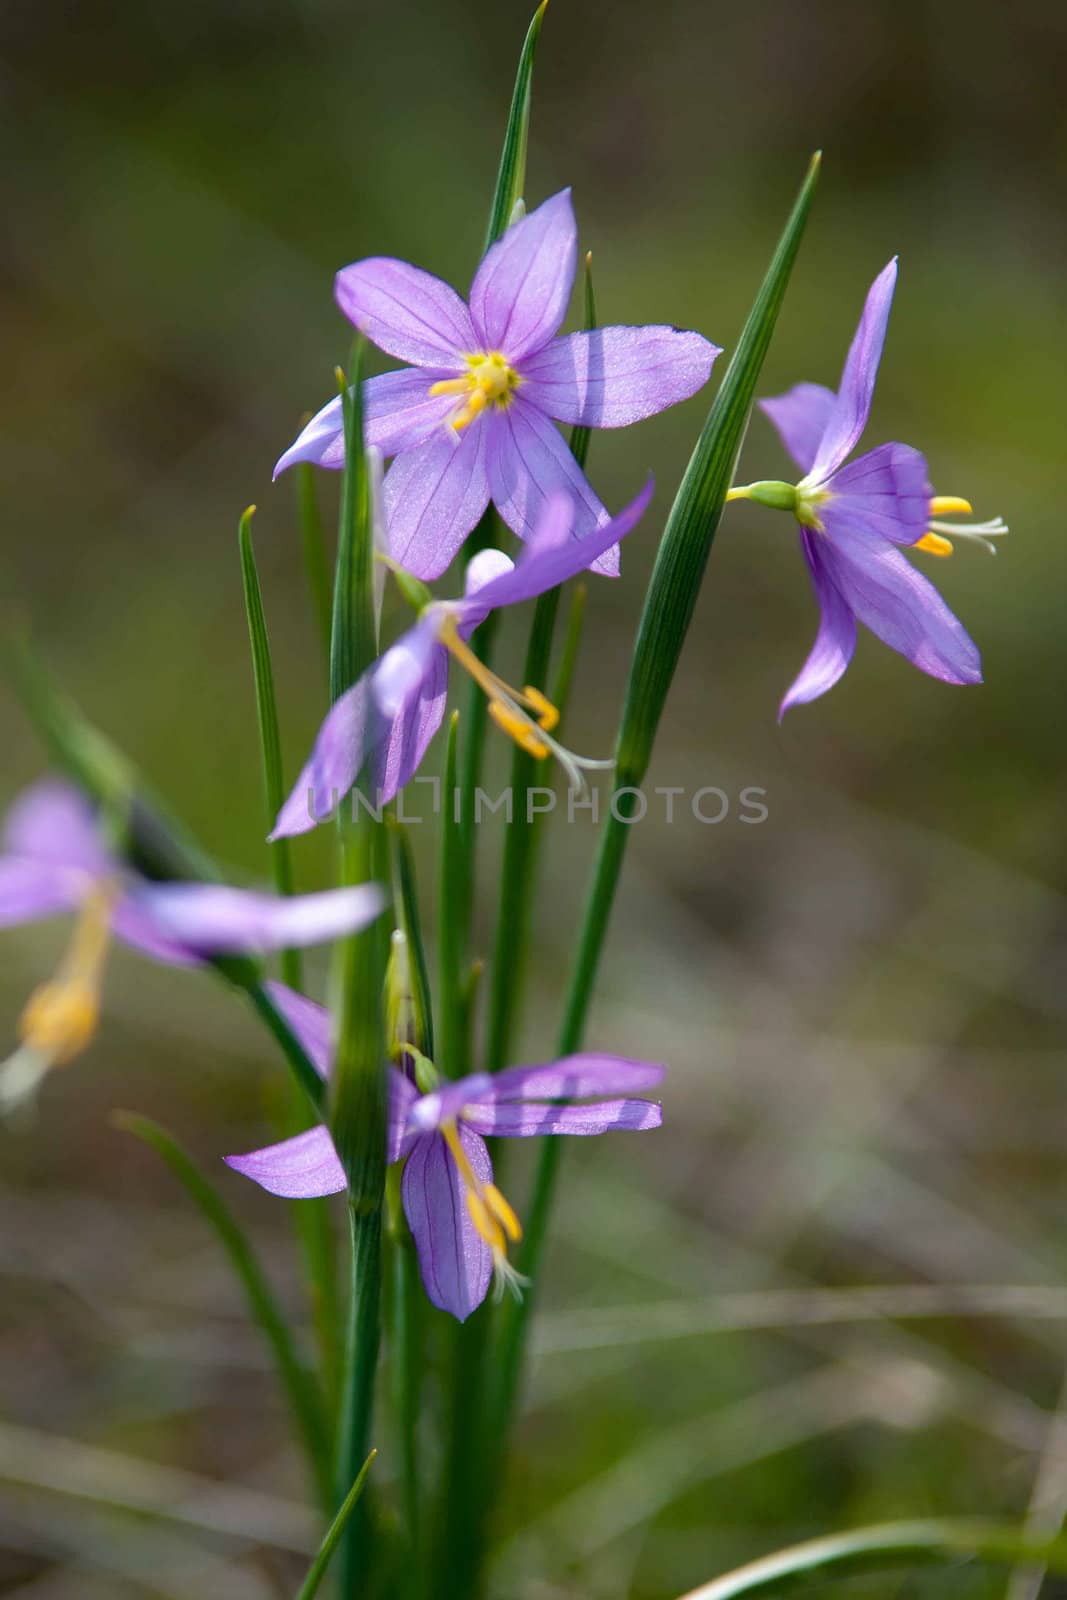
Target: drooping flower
(854, 517)
(473, 419)
(55, 858)
(461, 1223)
(385, 722)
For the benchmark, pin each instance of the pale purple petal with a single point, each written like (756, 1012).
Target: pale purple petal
(336, 760)
(836, 638)
(433, 497)
(610, 377)
(577, 1077)
(511, 1120)
(212, 919)
(801, 416)
(132, 921)
(448, 1101)
(853, 403)
(520, 292)
(529, 461)
(550, 561)
(455, 1261)
(397, 758)
(402, 1096)
(52, 821)
(885, 493)
(320, 442)
(31, 889)
(406, 312)
(309, 1022)
(300, 1168)
(902, 608)
(399, 412)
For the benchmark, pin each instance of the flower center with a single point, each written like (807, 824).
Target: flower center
(61, 1016)
(489, 380)
(491, 1214)
(937, 541)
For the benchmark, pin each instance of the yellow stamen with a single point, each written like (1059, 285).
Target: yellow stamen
(449, 386)
(61, 1016)
(518, 728)
(947, 505)
(547, 714)
(503, 1212)
(934, 544)
(490, 380)
(491, 1214)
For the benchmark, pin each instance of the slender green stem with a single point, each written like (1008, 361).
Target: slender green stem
(313, 543)
(305, 1398)
(406, 1370)
(452, 925)
(317, 1571)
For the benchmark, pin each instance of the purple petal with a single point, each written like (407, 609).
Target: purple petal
(520, 292)
(801, 415)
(31, 889)
(132, 921)
(52, 821)
(836, 638)
(549, 561)
(298, 1168)
(902, 608)
(577, 1077)
(321, 441)
(416, 721)
(402, 1096)
(398, 414)
(885, 493)
(406, 312)
(455, 1261)
(310, 1023)
(336, 760)
(433, 497)
(447, 1102)
(853, 404)
(211, 919)
(528, 461)
(611, 377)
(521, 1121)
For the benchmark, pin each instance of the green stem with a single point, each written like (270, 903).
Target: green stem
(452, 921)
(407, 1355)
(317, 1571)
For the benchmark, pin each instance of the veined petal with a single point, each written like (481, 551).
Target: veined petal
(406, 312)
(455, 1262)
(835, 641)
(521, 290)
(885, 493)
(212, 919)
(321, 441)
(853, 402)
(610, 377)
(433, 497)
(551, 561)
(341, 747)
(528, 460)
(53, 821)
(298, 1168)
(577, 1077)
(801, 416)
(511, 1120)
(902, 608)
(410, 730)
(309, 1021)
(31, 889)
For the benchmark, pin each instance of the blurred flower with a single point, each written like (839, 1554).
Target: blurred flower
(391, 713)
(472, 420)
(854, 517)
(55, 859)
(461, 1223)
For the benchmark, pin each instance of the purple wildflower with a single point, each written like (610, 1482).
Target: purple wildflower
(55, 859)
(472, 419)
(387, 719)
(461, 1223)
(853, 519)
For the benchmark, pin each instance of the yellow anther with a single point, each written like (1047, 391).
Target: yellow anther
(947, 505)
(934, 544)
(518, 728)
(503, 1212)
(449, 386)
(490, 379)
(546, 712)
(60, 1019)
(489, 1230)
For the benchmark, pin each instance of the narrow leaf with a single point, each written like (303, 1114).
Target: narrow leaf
(317, 1570)
(937, 1540)
(405, 896)
(452, 924)
(352, 632)
(511, 175)
(297, 1382)
(313, 543)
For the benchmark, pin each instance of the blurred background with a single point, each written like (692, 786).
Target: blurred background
(834, 1289)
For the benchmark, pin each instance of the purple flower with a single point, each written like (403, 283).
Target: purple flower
(472, 419)
(854, 517)
(55, 859)
(460, 1221)
(387, 719)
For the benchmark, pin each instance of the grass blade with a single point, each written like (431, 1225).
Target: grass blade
(297, 1382)
(313, 544)
(511, 174)
(317, 1570)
